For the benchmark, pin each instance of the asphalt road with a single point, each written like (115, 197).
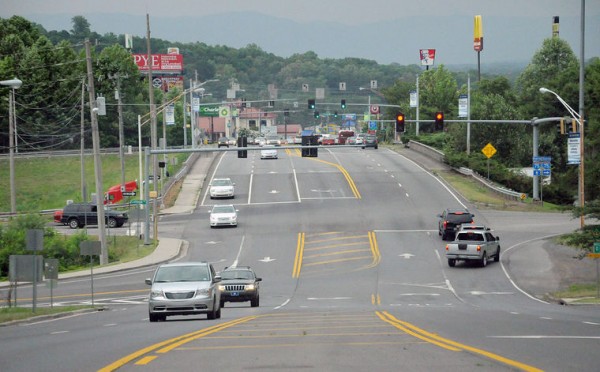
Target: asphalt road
(354, 278)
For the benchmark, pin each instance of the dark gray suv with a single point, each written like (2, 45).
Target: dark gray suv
(450, 221)
(239, 284)
(80, 214)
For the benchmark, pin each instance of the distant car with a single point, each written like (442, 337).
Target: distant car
(184, 288)
(260, 141)
(465, 227)
(298, 140)
(273, 140)
(360, 138)
(351, 140)
(370, 140)
(223, 215)
(77, 215)
(268, 152)
(239, 284)
(223, 142)
(327, 140)
(222, 188)
(450, 221)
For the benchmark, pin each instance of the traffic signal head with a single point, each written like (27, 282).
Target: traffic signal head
(399, 122)
(335, 114)
(439, 120)
(311, 104)
(317, 114)
(343, 104)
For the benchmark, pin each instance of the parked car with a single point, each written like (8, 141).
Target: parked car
(223, 142)
(450, 221)
(239, 284)
(222, 188)
(184, 288)
(268, 152)
(370, 140)
(78, 215)
(223, 215)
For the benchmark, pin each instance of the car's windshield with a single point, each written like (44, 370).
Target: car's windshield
(221, 182)
(181, 274)
(236, 274)
(223, 209)
(459, 218)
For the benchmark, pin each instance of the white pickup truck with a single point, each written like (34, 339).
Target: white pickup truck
(479, 245)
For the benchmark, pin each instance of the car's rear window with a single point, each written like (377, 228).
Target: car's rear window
(459, 218)
(471, 235)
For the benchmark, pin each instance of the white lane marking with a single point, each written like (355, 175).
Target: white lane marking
(250, 189)
(297, 186)
(328, 298)
(549, 337)
(591, 323)
(58, 332)
(283, 304)
(237, 258)
(110, 325)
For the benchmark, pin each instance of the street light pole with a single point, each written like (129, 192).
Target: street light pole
(579, 120)
(13, 84)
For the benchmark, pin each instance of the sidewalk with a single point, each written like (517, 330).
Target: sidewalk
(168, 248)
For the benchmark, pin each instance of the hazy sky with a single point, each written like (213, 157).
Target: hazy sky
(384, 30)
(340, 11)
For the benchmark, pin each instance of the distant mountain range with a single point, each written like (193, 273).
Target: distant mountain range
(506, 39)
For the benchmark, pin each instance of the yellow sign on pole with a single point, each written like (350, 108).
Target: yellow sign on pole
(489, 150)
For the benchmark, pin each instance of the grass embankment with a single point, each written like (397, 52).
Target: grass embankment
(44, 183)
(10, 314)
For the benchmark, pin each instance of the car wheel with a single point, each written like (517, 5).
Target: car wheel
(363, 147)
(222, 303)
(112, 222)
(483, 261)
(451, 262)
(497, 256)
(213, 313)
(376, 147)
(444, 236)
(153, 317)
(218, 314)
(73, 223)
(255, 301)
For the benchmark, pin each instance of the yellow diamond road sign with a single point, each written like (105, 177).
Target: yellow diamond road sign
(489, 150)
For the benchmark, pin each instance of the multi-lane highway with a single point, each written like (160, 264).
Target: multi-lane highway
(354, 278)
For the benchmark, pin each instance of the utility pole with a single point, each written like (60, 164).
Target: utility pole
(82, 144)
(153, 130)
(97, 160)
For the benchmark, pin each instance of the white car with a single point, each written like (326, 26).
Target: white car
(223, 215)
(222, 188)
(268, 152)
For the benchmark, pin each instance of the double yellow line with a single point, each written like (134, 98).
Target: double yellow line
(445, 343)
(346, 175)
(299, 255)
(168, 345)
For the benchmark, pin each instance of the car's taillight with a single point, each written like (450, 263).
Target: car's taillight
(478, 248)
(445, 224)
(447, 247)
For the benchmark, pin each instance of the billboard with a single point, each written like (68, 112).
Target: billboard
(161, 63)
(477, 34)
(427, 57)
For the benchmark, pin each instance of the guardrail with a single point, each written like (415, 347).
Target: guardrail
(441, 157)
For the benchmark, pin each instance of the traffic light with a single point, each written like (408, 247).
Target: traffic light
(560, 127)
(439, 120)
(243, 102)
(343, 104)
(311, 104)
(399, 122)
(310, 141)
(317, 114)
(335, 114)
(242, 142)
(573, 126)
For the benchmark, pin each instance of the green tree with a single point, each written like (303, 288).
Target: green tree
(437, 92)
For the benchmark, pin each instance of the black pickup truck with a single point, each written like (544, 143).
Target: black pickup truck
(77, 215)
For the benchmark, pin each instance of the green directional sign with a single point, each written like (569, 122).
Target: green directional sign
(209, 111)
(138, 201)
(596, 247)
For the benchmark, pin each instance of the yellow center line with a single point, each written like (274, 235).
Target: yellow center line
(449, 344)
(299, 254)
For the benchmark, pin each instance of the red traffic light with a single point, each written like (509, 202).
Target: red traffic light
(399, 122)
(439, 120)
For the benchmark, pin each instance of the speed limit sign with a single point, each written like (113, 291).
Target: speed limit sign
(374, 109)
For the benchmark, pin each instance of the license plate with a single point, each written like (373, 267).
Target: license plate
(235, 293)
